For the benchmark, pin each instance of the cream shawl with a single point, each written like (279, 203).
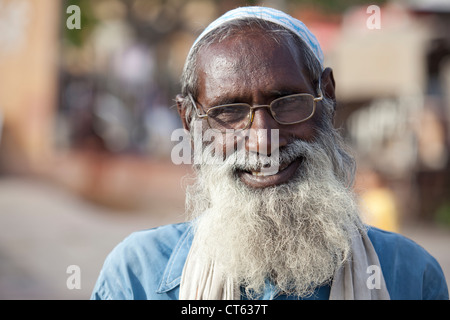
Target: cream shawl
(352, 281)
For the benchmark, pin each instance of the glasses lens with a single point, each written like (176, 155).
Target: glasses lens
(229, 117)
(293, 108)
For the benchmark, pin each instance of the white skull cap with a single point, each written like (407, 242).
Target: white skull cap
(272, 15)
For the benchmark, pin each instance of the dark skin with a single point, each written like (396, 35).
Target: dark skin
(254, 69)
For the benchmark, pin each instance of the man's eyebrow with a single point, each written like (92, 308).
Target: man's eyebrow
(273, 94)
(282, 93)
(224, 100)
(286, 92)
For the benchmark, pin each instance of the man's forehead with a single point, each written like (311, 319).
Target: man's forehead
(240, 66)
(244, 50)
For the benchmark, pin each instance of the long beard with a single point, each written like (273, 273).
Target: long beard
(295, 235)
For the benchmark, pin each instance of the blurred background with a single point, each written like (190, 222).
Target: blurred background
(86, 117)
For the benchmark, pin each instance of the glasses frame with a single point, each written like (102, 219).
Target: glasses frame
(254, 107)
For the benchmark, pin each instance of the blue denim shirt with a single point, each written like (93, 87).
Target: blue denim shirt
(148, 265)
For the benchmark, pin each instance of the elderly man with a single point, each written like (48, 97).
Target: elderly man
(289, 232)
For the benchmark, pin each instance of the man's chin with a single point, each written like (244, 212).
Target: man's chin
(268, 178)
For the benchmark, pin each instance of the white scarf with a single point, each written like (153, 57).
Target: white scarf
(350, 282)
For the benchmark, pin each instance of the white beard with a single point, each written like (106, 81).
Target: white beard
(296, 235)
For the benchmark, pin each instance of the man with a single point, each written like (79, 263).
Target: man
(288, 232)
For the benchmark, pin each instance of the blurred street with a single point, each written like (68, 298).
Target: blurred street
(44, 229)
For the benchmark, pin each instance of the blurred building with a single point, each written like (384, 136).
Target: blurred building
(392, 86)
(28, 81)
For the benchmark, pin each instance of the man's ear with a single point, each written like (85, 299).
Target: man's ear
(182, 111)
(328, 85)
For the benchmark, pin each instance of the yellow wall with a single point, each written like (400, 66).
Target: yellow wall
(28, 77)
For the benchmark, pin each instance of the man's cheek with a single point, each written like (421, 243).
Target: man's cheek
(214, 145)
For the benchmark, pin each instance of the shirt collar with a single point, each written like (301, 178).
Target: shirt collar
(172, 274)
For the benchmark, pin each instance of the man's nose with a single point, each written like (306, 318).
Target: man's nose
(262, 137)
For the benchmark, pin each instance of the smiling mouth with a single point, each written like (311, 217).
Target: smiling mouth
(268, 171)
(267, 177)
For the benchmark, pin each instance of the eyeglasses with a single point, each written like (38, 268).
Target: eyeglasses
(287, 110)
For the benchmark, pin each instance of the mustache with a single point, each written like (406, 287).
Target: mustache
(253, 161)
